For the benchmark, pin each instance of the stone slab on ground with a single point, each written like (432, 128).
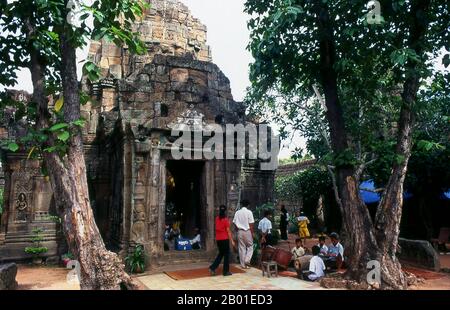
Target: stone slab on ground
(420, 253)
(8, 274)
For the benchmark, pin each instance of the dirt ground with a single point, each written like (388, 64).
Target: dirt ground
(445, 260)
(44, 278)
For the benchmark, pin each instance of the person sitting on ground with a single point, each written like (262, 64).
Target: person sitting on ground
(323, 248)
(196, 242)
(303, 231)
(316, 266)
(298, 251)
(335, 252)
(265, 227)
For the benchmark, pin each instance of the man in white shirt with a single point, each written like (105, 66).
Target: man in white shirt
(265, 229)
(316, 266)
(244, 222)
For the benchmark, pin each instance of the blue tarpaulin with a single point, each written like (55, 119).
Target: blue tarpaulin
(368, 196)
(446, 195)
(367, 188)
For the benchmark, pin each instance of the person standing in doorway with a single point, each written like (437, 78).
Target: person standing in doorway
(223, 238)
(244, 222)
(284, 219)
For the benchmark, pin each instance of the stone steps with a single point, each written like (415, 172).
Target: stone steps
(184, 257)
(21, 237)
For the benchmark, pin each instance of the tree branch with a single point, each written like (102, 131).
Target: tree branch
(363, 166)
(335, 187)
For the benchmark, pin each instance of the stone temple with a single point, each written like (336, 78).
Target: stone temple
(136, 186)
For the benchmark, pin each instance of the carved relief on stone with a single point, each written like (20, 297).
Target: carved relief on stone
(21, 207)
(189, 120)
(23, 190)
(138, 229)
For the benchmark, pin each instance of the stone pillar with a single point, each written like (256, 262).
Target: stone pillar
(3, 215)
(210, 205)
(156, 202)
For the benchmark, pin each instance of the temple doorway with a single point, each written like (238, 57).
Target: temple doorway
(185, 196)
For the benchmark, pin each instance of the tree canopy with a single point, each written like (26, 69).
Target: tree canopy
(355, 85)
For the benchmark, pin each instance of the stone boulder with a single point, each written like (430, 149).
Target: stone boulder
(8, 277)
(419, 252)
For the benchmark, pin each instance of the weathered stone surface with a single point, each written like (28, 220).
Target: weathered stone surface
(180, 75)
(8, 274)
(128, 141)
(419, 252)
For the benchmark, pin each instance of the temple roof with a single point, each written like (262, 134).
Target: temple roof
(167, 28)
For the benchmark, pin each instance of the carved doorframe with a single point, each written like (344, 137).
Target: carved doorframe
(208, 208)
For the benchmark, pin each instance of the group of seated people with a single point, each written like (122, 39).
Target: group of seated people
(324, 258)
(172, 233)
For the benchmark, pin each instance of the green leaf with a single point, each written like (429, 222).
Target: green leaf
(13, 147)
(58, 126)
(79, 122)
(92, 71)
(63, 136)
(50, 149)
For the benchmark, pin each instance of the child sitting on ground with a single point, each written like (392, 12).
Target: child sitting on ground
(323, 248)
(335, 253)
(298, 251)
(316, 266)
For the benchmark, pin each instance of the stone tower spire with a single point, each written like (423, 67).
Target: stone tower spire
(167, 28)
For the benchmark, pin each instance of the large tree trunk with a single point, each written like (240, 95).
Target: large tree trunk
(360, 246)
(366, 241)
(99, 268)
(389, 212)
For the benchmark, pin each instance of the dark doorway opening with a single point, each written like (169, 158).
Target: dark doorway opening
(184, 196)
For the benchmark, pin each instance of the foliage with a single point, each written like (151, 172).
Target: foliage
(68, 256)
(37, 239)
(308, 185)
(429, 166)
(36, 250)
(371, 64)
(136, 260)
(111, 21)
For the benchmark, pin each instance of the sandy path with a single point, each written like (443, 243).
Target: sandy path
(44, 278)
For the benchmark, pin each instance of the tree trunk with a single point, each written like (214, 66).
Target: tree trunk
(99, 268)
(360, 246)
(389, 211)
